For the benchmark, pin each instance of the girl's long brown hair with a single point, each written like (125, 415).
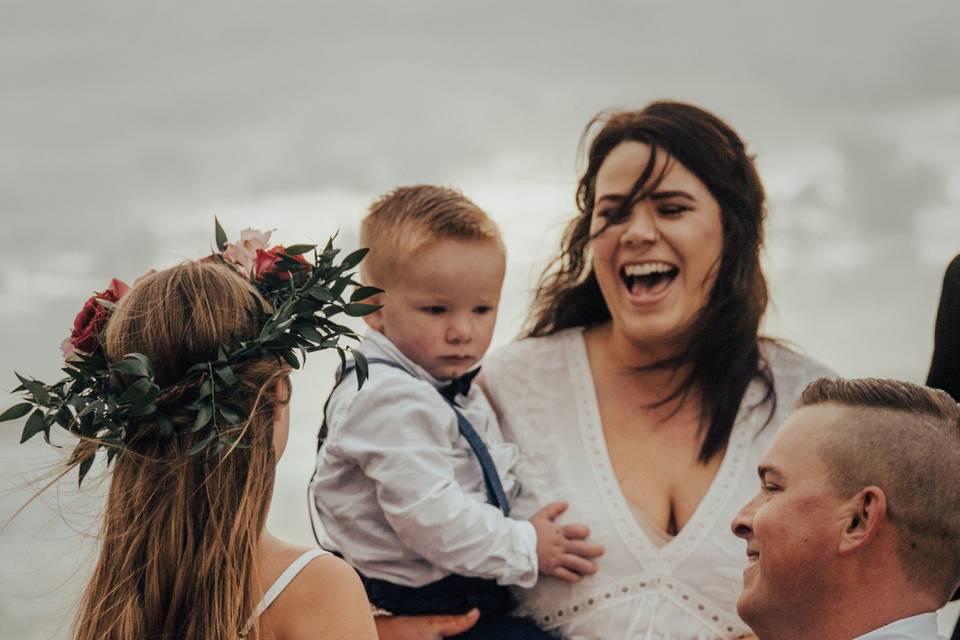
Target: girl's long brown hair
(178, 554)
(722, 351)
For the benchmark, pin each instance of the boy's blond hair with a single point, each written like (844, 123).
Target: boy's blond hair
(406, 219)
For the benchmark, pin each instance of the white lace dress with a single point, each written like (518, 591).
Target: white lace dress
(686, 588)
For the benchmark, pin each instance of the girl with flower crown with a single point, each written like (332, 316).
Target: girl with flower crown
(185, 552)
(184, 549)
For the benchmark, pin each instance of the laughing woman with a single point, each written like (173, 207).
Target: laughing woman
(643, 394)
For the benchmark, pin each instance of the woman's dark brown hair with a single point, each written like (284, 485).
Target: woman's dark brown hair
(722, 345)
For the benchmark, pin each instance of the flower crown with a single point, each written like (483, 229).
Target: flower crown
(112, 403)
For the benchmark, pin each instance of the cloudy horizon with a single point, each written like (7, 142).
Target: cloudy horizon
(128, 126)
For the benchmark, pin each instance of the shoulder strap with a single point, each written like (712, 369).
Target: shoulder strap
(341, 376)
(491, 477)
(282, 582)
(495, 493)
(322, 433)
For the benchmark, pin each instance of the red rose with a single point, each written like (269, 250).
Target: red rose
(267, 263)
(92, 319)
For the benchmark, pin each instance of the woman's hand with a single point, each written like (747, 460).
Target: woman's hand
(562, 551)
(424, 627)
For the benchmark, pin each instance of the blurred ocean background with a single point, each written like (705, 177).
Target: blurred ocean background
(127, 126)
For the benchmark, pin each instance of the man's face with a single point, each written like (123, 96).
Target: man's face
(792, 527)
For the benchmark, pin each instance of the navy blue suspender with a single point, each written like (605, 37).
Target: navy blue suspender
(495, 493)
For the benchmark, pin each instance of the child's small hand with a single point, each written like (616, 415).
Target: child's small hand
(562, 551)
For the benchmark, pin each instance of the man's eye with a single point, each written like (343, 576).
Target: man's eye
(434, 310)
(769, 488)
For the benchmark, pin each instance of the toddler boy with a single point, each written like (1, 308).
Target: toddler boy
(414, 481)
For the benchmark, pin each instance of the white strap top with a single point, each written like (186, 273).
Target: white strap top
(281, 583)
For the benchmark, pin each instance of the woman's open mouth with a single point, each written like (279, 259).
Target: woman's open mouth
(646, 281)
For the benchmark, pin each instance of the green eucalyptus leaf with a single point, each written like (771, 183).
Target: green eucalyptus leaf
(358, 309)
(94, 406)
(353, 259)
(204, 416)
(338, 286)
(64, 416)
(85, 467)
(33, 427)
(230, 414)
(165, 426)
(202, 443)
(309, 332)
(16, 411)
(226, 375)
(202, 366)
(219, 235)
(297, 249)
(363, 371)
(135, 391)
(291, 359)
(37, 390)
(206, 389)
(321, 294)
(362, 293)
(132, 367)
(143, 408)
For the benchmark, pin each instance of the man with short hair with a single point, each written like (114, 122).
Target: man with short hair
(854, 533)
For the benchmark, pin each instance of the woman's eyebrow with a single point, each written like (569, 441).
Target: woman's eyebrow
(663, 195)
(612, 197)
(656, 195)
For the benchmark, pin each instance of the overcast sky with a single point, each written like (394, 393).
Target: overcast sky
(126, 126)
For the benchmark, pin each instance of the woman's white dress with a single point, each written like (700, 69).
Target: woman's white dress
(686, 588)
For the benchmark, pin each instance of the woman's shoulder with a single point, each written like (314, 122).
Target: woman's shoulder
(325, 593)
(532, 349)
(791, 369)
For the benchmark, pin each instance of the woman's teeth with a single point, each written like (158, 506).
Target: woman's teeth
(647, 268)
(648, 277)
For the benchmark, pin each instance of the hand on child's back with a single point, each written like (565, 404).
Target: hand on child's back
(563, 551)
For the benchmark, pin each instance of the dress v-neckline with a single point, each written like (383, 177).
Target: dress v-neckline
(663, 558)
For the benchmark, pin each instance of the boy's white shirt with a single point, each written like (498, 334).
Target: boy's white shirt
(399, 491)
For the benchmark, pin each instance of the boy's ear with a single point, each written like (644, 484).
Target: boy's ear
(865, 512)
(375, 319)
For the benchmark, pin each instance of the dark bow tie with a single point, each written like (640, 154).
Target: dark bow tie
(459, 386)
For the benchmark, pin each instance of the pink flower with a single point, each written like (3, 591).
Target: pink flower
(243, 255)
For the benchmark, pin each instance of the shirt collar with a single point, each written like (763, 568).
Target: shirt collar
(377, 345)
(919, 627)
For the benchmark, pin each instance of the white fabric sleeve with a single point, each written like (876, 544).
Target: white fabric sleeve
(401, 436)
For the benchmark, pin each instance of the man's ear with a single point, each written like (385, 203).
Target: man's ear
(865, 512)
(375, 319)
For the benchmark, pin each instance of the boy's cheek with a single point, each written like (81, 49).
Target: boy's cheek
(375, 320)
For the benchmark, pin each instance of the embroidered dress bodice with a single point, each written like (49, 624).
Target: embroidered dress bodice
(683, 586)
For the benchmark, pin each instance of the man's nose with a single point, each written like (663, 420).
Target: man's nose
(742, 524)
